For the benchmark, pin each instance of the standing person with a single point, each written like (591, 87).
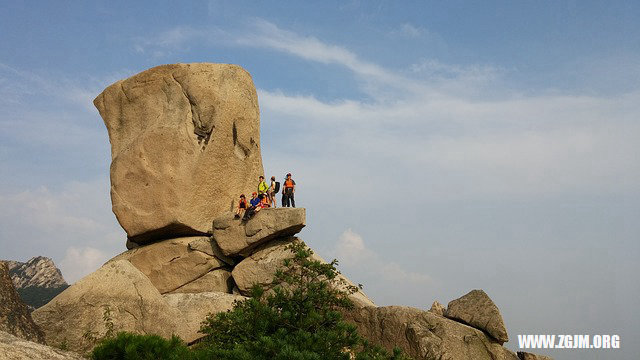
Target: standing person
(262, 186)
(288, 191)
(272, 192)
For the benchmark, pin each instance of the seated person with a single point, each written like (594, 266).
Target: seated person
(264, 203)
(254, 206)
(242, 206)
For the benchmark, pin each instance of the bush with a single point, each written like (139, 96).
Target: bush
(128, 346)
(298, 318)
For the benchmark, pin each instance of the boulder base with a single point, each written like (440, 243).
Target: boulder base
(235, 236)
(172, 264)
(260, 266)
(196, 307)
(76, 315)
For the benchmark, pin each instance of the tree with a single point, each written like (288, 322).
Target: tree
(296, 317)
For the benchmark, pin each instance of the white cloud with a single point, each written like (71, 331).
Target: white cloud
(352, 253)
(43, 222)
(78, 262)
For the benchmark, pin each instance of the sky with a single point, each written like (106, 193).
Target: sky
(438, 147)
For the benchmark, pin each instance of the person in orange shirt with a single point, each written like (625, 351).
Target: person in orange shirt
(288, 192)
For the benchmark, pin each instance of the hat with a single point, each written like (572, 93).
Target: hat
(254, 193)
(289, 174)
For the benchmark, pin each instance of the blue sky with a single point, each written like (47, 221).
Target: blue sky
(438, 146)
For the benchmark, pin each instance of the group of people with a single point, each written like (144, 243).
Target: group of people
(265, 197)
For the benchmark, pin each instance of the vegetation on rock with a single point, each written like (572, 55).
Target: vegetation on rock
(298, 316)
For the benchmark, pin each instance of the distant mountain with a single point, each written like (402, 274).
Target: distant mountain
(37, 280)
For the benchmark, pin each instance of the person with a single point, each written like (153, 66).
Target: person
(264, 201)
(272, 191)
(288, 192)
(242, 206)
(262, 186)
(253, 206)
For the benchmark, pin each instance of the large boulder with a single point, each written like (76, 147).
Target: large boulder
(196, 307)
(117, 291)
(176, 263)
(236, 236)
(478, 310)
(14, 348)
(260, 266)
(14, 314)
(424, 335)
(185, 143)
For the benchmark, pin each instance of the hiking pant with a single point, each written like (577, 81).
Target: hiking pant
(288, 199)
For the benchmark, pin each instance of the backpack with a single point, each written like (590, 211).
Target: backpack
(277, 188)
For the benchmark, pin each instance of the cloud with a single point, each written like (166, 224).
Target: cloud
(76, 219)
(78, 262)
(352, 253)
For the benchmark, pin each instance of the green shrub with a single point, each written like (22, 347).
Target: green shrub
(298, 318)
(128, 346)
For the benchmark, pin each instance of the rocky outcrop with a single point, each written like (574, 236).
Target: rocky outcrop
(184, 145)
(14, 315)
(529, 356)
(479, 311)
(260, 266)
(437, 308)
(173, 264)
(117, 291)
(424, 335)
(37, 280)
(236, 236)
(14, 348)
(196, 307)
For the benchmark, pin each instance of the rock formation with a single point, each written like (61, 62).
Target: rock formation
(117, 291)
(37, 280)
(479, 311)
(14, 315)
(185, 143)
(235, 236)
(425, 335)
(15, 348)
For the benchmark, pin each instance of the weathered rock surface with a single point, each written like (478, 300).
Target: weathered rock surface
(235, 236)
(14, 315)
(424, 335)
(14, 348)
(437, 308)
(218, 280)
(529, 356)
(196, 307)
(478, 310)
(184, 145)
(260, 266)
(134, 303)
(172, 264)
